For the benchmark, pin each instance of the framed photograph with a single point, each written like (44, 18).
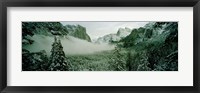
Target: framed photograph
(106, 46)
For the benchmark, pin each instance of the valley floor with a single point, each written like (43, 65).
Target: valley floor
(99, 61)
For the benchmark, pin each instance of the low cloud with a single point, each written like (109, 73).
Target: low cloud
(71, 45)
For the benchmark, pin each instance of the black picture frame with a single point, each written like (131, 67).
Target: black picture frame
(101, 3)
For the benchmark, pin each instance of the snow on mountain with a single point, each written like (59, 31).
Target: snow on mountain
(121, 33)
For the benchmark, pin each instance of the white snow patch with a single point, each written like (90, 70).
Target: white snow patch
(121, 33)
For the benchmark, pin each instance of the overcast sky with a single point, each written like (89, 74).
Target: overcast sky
(99, 29)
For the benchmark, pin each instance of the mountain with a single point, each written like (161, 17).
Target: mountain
(151, 32)
(43, 28)
(78, 31)
(121, 33)
(155, 46)
(30, 29)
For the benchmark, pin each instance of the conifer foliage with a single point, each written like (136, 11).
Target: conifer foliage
(117, 62)
(57, 57)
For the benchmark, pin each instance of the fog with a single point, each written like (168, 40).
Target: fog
(71, 45)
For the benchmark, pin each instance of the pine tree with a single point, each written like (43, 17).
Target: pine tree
(57, 57)
(144, 63)
(128, 62)
(119, 62)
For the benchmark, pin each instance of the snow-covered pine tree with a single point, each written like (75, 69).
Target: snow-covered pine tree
(118, 61)
(57, 57)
